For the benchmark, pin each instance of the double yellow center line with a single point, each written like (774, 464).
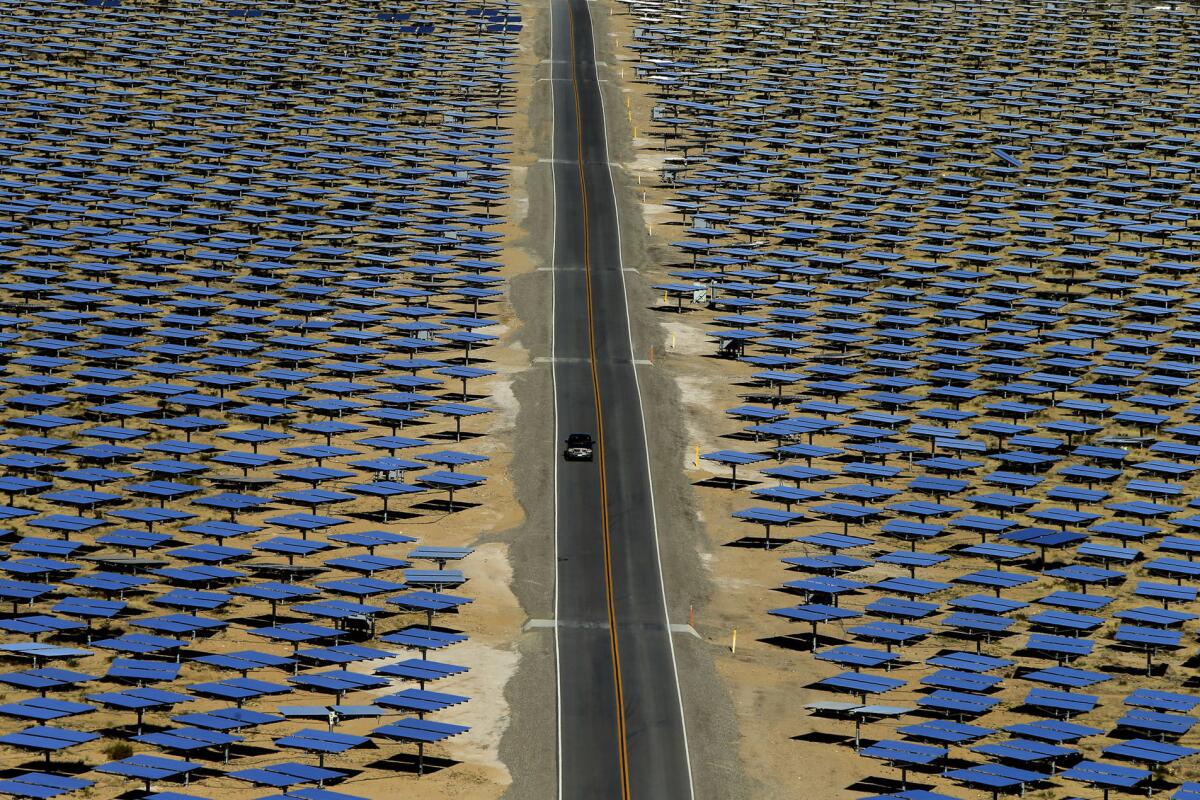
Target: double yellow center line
(622, 744)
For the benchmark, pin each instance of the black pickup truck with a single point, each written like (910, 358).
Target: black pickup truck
(579, 447)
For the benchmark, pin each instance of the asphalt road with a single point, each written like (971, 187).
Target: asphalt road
(621, 730)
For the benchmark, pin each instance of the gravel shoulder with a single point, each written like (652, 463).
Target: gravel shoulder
(529, 745)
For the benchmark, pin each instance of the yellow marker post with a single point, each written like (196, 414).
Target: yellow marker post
(697, 456)
(733, 644)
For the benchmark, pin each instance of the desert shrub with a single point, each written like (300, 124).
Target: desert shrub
(118, 750)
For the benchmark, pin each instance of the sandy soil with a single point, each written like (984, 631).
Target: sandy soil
(469, 767)
(784, 753)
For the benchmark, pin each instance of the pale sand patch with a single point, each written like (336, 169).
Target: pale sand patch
(697, 402)
(686, 338)
(503, 401)
(493, 657)
(647, 161)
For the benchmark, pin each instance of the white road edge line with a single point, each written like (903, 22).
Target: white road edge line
(687, 751)
(558, 762)
(543, 624)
